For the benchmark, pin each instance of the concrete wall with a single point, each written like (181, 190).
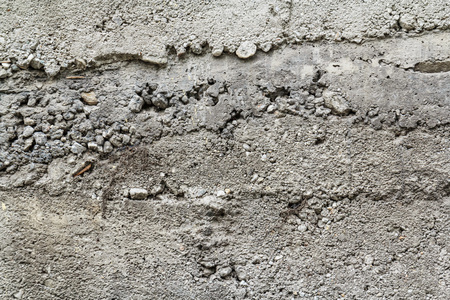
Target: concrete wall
(224, 149)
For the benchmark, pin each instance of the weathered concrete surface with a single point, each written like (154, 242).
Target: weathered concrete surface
(318, 170)
(74, 33)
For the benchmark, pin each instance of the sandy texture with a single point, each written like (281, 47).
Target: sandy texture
(73, 33)
(136, 165)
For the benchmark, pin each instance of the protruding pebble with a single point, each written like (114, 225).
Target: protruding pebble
(40, 138)
(196, 48)
(138, 193)
(266, 47)
(336, 103)
(52, 69)
(92, 146)
(77, 148)
(107, 147)
(217, 51)
(221, 194)
(302, 228)
(4, 73)
(225, 272)
(89, 98)
(36, 64)
(29, 122)
(28, 131)
(160, 101)
(246, 49)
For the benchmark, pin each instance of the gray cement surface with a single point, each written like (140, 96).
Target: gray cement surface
(224, 150)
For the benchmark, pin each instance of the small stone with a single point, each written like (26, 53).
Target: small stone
(278, 257)
(196, 48)
(28, 131)
(68, 116)
(80, 63)
(376, 123)
(246, 49)
(40, 138)
(336, 103)
(157, 189)
(240, 293)
(77, 148)
(221, 194)
(256, 260)
(185, 99)
(307, 194)
(28, 144)
(126, 139)
(107, 147)
(118, 20)
(138, 193)
(52, 69)
(36, 64)
(368, 260)
(89, 98)
(24, 63)
(266, 47)
(208, 263)
(19, 294)
(217, 51)
(271, 108)
(180, 50)
(92, 146)
(208, 272)
(408, 122)
(213, 90)
(240, 273)
(15, 68)
(50, 283)
(100, 140)
(29, 122)
(4, 73)
(160, 101)
(254, 177)
(116, 141)
(201, 192)
(302, 228)
(225, 272)
(407, 22)
(136, 103)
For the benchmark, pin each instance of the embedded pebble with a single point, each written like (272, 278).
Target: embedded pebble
(302, 228)
(77, 148)
(89, 98)
(266, 46)
(246, 49)
(221, 194)
(224, 272)
(107, 147)
(217, 51)
(138, 193)
(40, 138)
(4, 73)
(28, 131)
(160, 101)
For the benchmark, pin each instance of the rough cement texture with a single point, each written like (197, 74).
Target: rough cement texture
(316, 167)
(55, 35)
